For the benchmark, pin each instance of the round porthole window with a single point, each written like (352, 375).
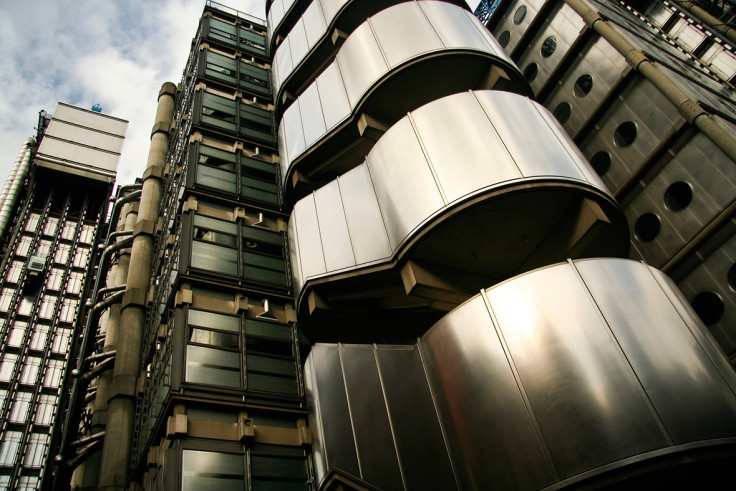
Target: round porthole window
(625, 134)
(732, 277)
(530, 72)
(583, 85)
(562, 112)
(647, 227)
(601, 162)
(548, 46)
(678, 196)
(519, 15)
(504, 38)
(709, 307)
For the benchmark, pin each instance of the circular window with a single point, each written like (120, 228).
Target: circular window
(530, 72)
(503, 39)
(678, 196)
(625, 134)
(583, 85)
(709, 307)
(647, 227)
(601, 162)
(520, 14)
(732, 277)
(562, 112)
(548, 46)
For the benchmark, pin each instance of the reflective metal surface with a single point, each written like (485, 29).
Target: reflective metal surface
(562, 374)
(374, 70)
(421, 173)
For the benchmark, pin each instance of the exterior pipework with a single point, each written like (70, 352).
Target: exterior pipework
(118, 439)
(584, 373)
(13, 184)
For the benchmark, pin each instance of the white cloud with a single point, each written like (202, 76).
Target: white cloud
(116, 53)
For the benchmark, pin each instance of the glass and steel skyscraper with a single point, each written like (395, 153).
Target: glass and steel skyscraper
(54, 209)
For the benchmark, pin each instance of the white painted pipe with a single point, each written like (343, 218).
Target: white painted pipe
(9, 194)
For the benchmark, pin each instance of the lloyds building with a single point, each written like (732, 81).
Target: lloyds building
(365, 255)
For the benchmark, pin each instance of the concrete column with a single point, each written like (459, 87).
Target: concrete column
(117, 446)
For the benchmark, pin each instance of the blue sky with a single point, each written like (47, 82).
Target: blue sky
(116, 53)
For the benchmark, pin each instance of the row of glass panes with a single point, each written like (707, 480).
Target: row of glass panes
(31, 369)
(22, 407)
(236, 72)
(221, 347)
(234, 173)
(47, 307)
(39, 337)
(222, 247)
(267, 466)
(236, 116)
(86, 236)
(33, 453)
(232, 35)
(60, 254)
(53, 279)
(25, 483)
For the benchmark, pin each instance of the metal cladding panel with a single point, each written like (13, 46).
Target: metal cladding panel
(405, 33)
(293, 132)
(74, 153)
(368, 233)
(314, 23)
(332, 404)
(407, 193)
(331, 7)
(374, 438)
(296, 270)
(492, 439)
(586, 399)
(456, 129)
(665, 346)
(561, 373)
(413, 413)
(338, 250)
(313, 121)
(90, 119)
(298, 43)
(536, 152)
(334, 99)
(103, 141)
(361, 62)
(306, 226)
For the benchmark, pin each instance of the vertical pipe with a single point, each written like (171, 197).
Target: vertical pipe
(117, 446)
(9, 194)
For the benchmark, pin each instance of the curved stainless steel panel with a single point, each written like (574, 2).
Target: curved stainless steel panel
(440, 156)
(559, 375)
(401, 35)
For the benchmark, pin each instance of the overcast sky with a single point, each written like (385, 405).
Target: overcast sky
(115, 53)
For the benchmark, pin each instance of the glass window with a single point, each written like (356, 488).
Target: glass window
(625, 134)
(549, 46)
(222, 31)
(26, 305)
(32, 222)
(67, 233)
(277, 464)
(21, 407)
(24, 245)
(39, 337)
(270, 361)
(43, 248)
(219, 111)
(35, 450)
(7, 365)
(28, 483)
(213, 366)
(74, 283)
(16, 267)
(87, 235)
(212, 470)
(520, 14)
(9, 447)
(52, 377)
(45, 410)
(52, 224)
(6, 296)
(53, 281)
(48, 304)
(263, 256)
(62, 253)
(29, 373)
(62, 337)
(68, 309)
(15, 337)
(81, 256)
